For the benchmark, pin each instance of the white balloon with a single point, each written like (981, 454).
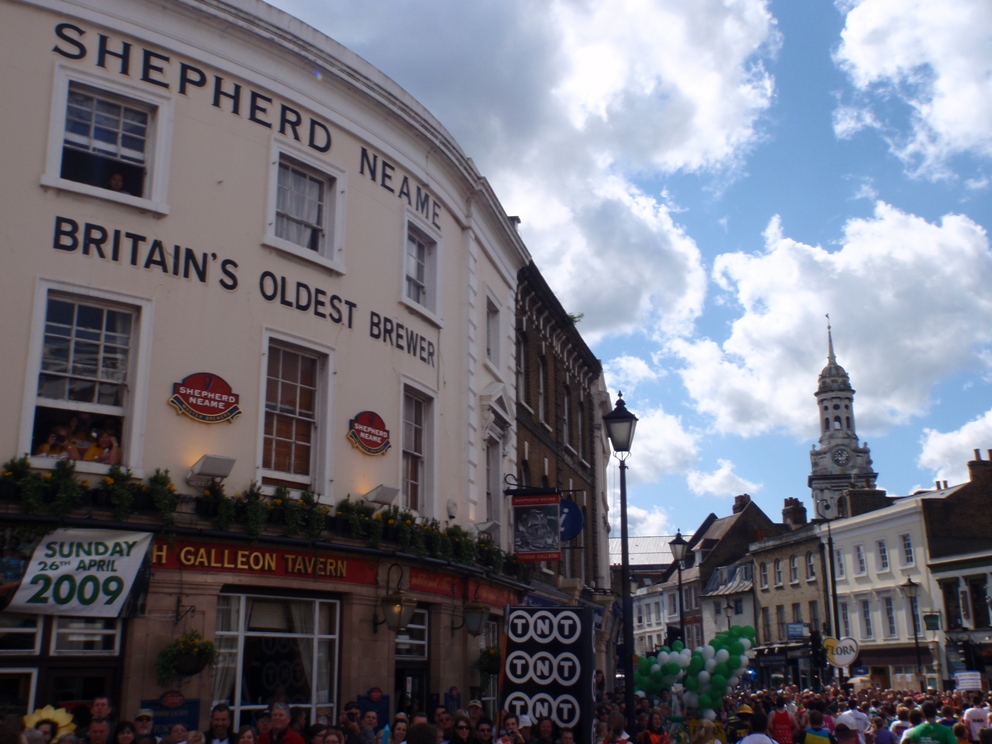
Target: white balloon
(662, 657)
(708, 652)
(709, 714)
(697, 649)
(689, 699)
(734, 681)
(703, 677)
(710, 665)
(639, 693)
(655, 668)
(685, 656)
(750, 654)
(722, 655)
(745, 642)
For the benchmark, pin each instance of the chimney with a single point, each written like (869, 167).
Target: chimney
(794, 513)
(978, 454)
(937, 487)
(740, 502)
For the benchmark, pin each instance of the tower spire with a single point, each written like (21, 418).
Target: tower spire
(830, 343)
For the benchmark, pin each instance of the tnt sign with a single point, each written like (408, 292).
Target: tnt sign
(549, 666)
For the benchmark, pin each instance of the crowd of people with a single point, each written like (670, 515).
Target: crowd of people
(784, 716)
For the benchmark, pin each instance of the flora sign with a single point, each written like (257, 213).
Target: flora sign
(840, 653)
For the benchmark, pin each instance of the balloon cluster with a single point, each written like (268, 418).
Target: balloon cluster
(706, 673)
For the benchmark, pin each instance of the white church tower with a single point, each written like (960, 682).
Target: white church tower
(839, 463)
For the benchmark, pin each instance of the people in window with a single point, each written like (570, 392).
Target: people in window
(105, 450)
(58, 445)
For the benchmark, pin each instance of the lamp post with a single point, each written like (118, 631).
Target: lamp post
(678, 546)
(620, 424)
(912, 590)
(729, 610)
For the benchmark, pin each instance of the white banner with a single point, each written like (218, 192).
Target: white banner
(81, 572)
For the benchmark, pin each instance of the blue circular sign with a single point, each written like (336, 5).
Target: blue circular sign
(572, 519)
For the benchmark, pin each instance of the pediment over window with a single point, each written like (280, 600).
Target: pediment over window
(496, 418)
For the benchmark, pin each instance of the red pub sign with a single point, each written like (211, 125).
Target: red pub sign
(206, 398)
(368, 433)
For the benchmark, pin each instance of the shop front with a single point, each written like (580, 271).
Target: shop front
(895, 666)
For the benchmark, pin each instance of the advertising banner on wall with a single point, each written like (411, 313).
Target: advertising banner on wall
(548, 666)
(537, 527)
(81, 572)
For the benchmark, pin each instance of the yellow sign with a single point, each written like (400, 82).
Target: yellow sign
(840, 653)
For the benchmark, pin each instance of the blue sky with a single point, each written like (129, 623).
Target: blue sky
(730, 171)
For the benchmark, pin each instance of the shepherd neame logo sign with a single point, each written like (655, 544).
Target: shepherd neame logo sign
(368, 433)
(206, 398)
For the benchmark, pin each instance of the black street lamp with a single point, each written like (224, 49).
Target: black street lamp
(912, 589)
(678, 546)
(729, 611)
(620, 424)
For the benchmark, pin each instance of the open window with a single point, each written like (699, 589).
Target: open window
(109, 140)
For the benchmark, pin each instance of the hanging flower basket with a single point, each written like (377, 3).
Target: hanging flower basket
(189, 654)
(488, 661)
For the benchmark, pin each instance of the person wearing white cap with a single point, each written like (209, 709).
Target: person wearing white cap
(474, 712)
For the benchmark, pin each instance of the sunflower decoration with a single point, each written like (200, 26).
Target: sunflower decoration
(59, 716)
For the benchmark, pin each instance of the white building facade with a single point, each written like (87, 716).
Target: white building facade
(213, 209)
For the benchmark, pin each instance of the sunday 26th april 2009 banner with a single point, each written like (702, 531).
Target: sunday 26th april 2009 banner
(81, 572)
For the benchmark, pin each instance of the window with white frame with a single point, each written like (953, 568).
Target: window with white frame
(883, 555)
(492, 331)
(793, 569)
(640, 614)
(493, 466)
(289, 440)
(566, 407)
(797, 612)
(110, 140)
(657, 612)
(839, 564)
(868, 630)
(845, 619)
(673, 608)
(763, 574)
(780, 620)
(523, 384)
(542, 389)
(417, 419)
(20, 634)
(860, 565)
(647, 614)
(276, 645)
(889, 615)
(810, 566)
(306, 207)
(814, 614)
(421, 268)
(412, 642)
(90, 636)
(908, 557)
(766, 625)
(85, 379)
(778, 572)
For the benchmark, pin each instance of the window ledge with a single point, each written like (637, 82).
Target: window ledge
(303, 482)
(82, 466)
(305, 254)
(529, 409)
(426, 313)
(547, 426)
(62, 184)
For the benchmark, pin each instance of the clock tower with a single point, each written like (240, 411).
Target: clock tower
(838, 463)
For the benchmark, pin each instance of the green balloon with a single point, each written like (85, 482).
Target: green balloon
(736, 648)
(749, 632)
(705, 702)
(678, 646)
(695, 666)
(736, 631)
(691, 684)
(718, 682)
(644, 664)
(666, 649)
(733, 662)
(722, 670)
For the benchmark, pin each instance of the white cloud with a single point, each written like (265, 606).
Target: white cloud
(721, 482)
(563, 105)
(947, 453)
(661, 446)
(626, 372)
(642, 521)
(909, 304)
(935, 59)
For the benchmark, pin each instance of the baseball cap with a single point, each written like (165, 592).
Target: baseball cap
(745, 709)
(145, 713)
(476, 703)
(524, 721)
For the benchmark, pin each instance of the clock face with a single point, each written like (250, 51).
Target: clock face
(841, 456)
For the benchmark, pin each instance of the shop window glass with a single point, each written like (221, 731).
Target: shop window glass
(273, 646)
(19, 634)
(412, 642)
(91, 636)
